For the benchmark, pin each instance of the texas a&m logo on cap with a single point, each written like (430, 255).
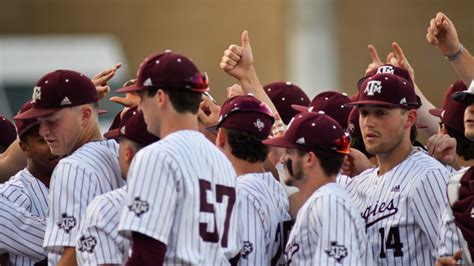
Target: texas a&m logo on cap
(386, 70)
(373, 86)
(36, 94)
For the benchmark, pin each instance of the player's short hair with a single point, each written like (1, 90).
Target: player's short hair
(413, 133)
(3, 148)
(464, 147)
(331, 162)
(134, 145)
(246, 146)
(182, 100)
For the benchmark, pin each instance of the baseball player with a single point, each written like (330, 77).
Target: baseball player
(265, 221)
(29, 187)
(21, 233)
(65, 104)
(180, 204)
(403, 198)
(98, 239)
(328, 229)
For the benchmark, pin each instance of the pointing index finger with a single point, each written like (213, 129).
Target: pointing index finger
(374, 55)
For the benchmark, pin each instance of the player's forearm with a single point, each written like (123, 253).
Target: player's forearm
(69, 257)
(464, 67)
(11, 161)
(251, 84)
(424, 117)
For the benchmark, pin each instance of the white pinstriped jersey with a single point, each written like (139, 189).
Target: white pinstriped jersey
(264, 219)
(90, 171)
(181, 192)
(21, 233)
(98, 240)
(28, 192)
(328, 231)
(403, 208)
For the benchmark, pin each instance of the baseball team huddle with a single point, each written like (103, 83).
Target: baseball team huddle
(266, 178)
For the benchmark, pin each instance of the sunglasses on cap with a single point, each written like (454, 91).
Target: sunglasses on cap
(198, 81)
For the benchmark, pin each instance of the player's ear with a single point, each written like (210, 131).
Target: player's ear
(86, 114)
(162, 99)
(310, 160)
(129, 154)
(221, 138)
(412, 117)
(25, 148)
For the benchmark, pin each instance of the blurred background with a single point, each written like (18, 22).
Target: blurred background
(317, 44)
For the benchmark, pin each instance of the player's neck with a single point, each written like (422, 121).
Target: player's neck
(392, 158)
(176, 122)
(42, 175)
(314, 183)
(243, 167)
(464, 163)
(91, 133)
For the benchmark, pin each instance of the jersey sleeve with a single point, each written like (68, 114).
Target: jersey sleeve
(151, 197)
(21, 233)
(72, 188)
(253, 232)
(96, 242)
(428, 202)
(449, 239)
(336, 232)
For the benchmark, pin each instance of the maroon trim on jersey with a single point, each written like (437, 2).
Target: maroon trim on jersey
(146, 251)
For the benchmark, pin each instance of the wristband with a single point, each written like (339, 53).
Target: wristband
(456, 55)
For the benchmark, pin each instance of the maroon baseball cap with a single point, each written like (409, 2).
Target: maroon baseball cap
(331, 103)
(283, 95)
(313, 131)
(387, 69)
(462, 208)
(246, 113)
(387, 90)
(23, 125)
(353, 127)
(133, 127)
(7, 132)
(452, 112)
(59, 89)
(465, 97)
(168, 71)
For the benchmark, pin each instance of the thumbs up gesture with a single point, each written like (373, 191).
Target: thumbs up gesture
(238, 60)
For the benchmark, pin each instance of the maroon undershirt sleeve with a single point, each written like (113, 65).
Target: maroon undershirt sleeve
(146, 251)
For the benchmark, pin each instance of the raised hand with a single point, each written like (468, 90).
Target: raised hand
(355, 163)
(209, 111)
(443, 148)
(442, 34)
(376, 62)
(399, 59)
(101, 80)
(234, 90)
(131, 98)
(238, 60)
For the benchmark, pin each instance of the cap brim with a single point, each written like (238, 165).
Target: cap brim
(463, 96)
(299, 108)
(130, 88)
(436, 112)
(112, 134)
(372, 102)
(35, 113)
(279, 142)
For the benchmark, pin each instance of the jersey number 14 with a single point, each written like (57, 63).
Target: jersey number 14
(392, 242)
